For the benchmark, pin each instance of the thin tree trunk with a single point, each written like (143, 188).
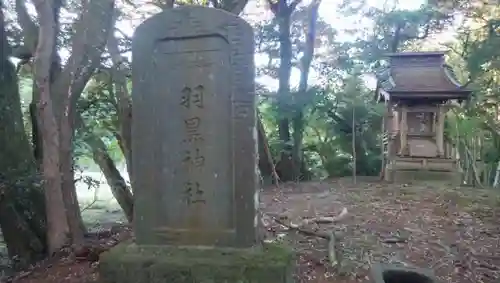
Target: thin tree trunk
(474, 171)
(354, 161)
(285, 165)
(75, 220)
(266, 164)
(298, 119)
(117, 184)
(497, 176)
(124, 102)
(285, 69)
(36, 137)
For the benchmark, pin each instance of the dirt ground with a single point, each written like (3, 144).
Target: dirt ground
(453, 231)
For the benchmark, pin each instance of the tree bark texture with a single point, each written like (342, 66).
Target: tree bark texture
(124, 102)
(57, 221)
(59, 89)
(22, 204)
(283, 12)
(117, 184)
(298, 121)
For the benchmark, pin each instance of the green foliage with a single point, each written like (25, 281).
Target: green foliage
(98, 109)
(337, 83)
(328, 134)
(329, 107)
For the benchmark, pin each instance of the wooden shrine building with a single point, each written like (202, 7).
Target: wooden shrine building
(418, 90)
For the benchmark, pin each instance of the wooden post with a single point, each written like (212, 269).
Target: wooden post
(390, 129)
(440, 130)
(354, 144)
(403, 130)
(434, 122)
(383, 158)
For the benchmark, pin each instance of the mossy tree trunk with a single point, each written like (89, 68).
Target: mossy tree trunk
(22, 204)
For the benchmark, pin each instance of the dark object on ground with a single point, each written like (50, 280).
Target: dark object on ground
(385, 273)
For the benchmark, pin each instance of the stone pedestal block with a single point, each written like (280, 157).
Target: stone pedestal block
(130, 263)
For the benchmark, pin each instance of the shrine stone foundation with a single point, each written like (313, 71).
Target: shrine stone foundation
(418, 89)
(194, 159)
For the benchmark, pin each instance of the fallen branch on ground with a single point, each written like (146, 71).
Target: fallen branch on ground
(332, 252)
(323, 220)
(394, 240)
(302, 230)
(330, 236)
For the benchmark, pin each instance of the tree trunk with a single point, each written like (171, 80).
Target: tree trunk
(91, 33)
(36, 137)
(496, 181)
(124, 102)
(117, 184)
(22, 205)
(354, 159)
(59, 90)
(57, 223)
(75, 221)
(285, 165)
(101, 157)
(284, 73)
(266, 163)
(298, 119)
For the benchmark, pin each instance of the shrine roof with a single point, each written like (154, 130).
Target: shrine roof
(419, 74)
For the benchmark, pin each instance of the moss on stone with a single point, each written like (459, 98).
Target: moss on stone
(128, 262)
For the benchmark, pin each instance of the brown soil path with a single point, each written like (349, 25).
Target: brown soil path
(454, 231)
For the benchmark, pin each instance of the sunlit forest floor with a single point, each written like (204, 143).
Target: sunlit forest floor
(453, 231)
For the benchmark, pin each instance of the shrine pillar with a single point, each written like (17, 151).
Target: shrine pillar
(403, 130)
(441, 115)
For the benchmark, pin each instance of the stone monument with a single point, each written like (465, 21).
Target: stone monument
(194, 146)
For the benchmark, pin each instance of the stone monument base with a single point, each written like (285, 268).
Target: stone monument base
(128, 262)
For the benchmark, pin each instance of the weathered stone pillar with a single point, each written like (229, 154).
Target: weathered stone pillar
(194, 150)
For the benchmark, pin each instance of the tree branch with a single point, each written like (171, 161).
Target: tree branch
(305, 61)
(92, 31)
(5, 49)
(123, 98)
(123, 34)
(273, 6)
(29, 28)
(295, 3)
